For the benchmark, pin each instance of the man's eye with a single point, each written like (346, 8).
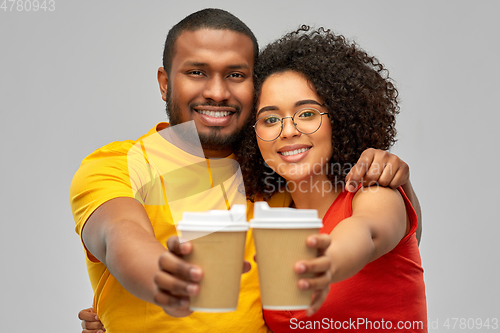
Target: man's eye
(236, 75)
(195, 73)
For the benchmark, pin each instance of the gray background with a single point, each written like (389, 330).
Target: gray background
(84, 75)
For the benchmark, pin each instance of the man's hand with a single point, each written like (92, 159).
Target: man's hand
(378, 166)
(320, 266)
(90, 322)
(176, 279)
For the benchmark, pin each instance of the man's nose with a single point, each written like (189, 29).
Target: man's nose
(216, 89)
(289, 129)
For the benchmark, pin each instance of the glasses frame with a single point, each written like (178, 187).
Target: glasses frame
(293, 122)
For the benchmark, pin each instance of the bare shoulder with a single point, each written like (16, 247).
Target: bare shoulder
(378, 198)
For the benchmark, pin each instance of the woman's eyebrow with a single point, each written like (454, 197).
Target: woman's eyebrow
(298, 103)
(267, 108)
(308, 101)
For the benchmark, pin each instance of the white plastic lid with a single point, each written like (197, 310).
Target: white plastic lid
(234, 219)
(265, 217)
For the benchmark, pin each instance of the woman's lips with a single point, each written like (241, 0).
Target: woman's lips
(292, 154)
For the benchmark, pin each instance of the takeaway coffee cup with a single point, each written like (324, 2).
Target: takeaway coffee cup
(218, 238)
(280, 239)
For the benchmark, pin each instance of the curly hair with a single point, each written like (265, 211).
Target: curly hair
(358, 93)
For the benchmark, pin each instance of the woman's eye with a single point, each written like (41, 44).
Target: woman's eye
(271, 120)
(306, 114)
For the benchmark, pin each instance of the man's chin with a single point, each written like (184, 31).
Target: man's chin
(218, 141)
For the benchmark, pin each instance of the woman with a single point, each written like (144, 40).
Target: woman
(321, 101)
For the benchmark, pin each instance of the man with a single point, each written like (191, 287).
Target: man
(207, 77)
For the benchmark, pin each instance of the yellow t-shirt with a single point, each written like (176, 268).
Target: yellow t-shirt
(138, 169)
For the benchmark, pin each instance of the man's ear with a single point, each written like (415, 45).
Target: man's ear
(162, 82)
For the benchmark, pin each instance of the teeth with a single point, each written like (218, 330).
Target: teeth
(294, 152)
(216, 114)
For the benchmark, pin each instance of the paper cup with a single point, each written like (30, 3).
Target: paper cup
(218, 239)
(280, 239)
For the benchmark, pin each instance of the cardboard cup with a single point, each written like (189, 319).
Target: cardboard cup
(220, 255)
(218, 239)
(280, 241)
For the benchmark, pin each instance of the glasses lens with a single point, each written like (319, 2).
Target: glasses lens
(268, 127)
(307, 120)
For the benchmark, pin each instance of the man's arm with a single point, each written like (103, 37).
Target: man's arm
(120, 235)
(388, 170)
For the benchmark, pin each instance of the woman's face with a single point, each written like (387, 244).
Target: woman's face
(295, 156)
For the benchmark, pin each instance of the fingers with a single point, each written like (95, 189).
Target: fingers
(319, 242)
(87, 315)
(175, 286)
(90, 321)
(320, 265)
(378, 167)
(246, 266)
(318, 298)
(359, 170)
(178, 267)
(176, 279)
(178, 248)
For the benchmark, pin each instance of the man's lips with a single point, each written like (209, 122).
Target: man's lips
(215, 111)
(215, 115)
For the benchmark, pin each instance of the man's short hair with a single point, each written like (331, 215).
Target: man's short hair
(209, 18)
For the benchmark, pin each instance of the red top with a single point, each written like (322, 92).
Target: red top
(387, 294)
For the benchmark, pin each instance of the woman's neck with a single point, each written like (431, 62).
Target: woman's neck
(319, 197)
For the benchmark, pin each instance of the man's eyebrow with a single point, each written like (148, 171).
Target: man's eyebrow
(204, 64)
(196, 64)
(242, 66)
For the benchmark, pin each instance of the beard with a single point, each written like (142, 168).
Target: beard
(214, 140)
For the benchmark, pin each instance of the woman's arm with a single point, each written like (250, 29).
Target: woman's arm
(376, 166)
(377, 225)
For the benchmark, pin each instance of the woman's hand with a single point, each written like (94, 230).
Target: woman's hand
(320, 266)
(90, 321)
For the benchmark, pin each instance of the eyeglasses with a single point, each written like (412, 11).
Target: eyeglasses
(306, 121)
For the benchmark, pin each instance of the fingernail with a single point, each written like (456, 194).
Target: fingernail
(184, 248)
(195, 273)
(301, 268)
(313, 241)
(184, 302)
(351, 186)
(191, 289)
(303, 284)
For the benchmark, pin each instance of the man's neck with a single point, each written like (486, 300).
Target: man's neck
(217, 153)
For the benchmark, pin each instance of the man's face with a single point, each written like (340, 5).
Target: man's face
(211, 82)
